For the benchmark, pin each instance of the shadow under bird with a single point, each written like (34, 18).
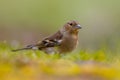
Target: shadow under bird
(63, 41)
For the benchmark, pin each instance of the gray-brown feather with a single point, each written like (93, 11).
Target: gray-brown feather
(68, 43)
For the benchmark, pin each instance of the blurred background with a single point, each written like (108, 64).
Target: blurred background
(28, 21)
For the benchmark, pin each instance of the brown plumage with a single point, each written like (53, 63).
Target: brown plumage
(63, 41)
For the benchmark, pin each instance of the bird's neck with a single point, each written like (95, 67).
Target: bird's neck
(73, 32)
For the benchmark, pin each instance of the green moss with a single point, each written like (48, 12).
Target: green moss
(27, 64)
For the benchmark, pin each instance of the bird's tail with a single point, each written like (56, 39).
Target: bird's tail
(33, 47)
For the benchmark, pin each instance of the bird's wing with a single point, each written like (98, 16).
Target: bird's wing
(51, 41)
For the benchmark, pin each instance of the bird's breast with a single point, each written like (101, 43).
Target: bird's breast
(68, 44)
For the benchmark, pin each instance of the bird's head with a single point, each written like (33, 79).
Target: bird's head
(72, 27)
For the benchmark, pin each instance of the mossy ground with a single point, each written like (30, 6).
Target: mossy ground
(36, 65)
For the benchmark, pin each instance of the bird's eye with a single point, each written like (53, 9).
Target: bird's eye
(71, 24)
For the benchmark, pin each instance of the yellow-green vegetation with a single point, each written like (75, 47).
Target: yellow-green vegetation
(36, 65)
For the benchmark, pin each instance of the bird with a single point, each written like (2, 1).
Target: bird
(64, 40)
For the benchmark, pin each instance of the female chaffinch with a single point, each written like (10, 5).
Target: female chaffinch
(63, 41)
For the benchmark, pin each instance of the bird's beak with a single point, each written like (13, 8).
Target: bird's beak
(78, 27)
